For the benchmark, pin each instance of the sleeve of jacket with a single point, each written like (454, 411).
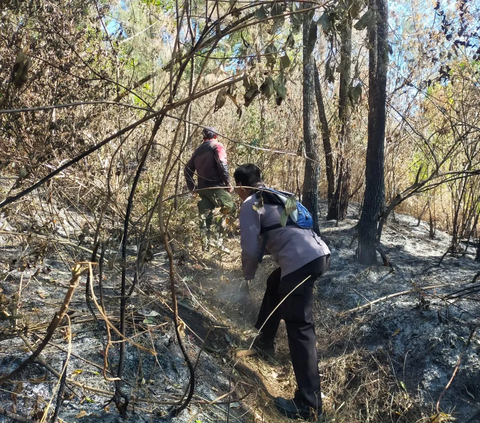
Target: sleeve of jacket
(222, 164)
(249, 234)
(189, 172)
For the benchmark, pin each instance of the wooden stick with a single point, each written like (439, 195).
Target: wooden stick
(353, 310)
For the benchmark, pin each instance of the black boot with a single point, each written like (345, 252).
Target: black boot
(295, 408)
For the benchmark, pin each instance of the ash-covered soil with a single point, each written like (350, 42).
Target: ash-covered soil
(412, 356)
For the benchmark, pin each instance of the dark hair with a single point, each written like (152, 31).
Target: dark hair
(248, 175)
(209, 133)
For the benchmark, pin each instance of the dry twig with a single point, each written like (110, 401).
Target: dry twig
(77, 272)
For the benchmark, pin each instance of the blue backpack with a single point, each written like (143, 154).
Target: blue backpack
(294, 213)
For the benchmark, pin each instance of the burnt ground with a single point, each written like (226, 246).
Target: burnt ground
(412, 357)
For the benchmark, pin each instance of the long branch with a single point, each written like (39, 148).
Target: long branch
(387, 297)
(78, 103)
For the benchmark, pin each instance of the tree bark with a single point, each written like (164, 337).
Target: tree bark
(312, 166)
(338, 206)
(327, 145)
(374, 200)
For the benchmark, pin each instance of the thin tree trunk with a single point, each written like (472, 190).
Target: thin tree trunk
(312, 167)
(338, 206)
(374, 200)
(327, 145)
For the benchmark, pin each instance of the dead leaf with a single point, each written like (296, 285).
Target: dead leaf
(82, 413)
(396, 332)
(225, 279)
(181, 327)
(440, 418)
(245, 353)
(38, 379)
(221, 99)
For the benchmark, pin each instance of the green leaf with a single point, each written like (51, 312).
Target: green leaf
(271, 49)
(290, 41)
(261, 13)
(277, 9)
(283, 218)
(355, 8)
(285, 61)
(271, 55)
(296, 18)
(268, 87)
(221, 99)
(22, 173)
(250, 95)
(280, 89)
(277, 13)
(290, 205)
(365, 21)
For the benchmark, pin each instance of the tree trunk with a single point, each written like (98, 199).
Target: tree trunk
(338, 206)
(374, 200)
(312, 166)
(327, 145)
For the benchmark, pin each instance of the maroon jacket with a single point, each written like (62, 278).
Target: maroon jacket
(210, 162)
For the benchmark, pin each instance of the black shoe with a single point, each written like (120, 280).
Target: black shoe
(264, 346)
(295, 409)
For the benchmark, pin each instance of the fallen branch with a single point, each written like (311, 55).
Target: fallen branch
(52, 239)
(398, 294)
(466, 291)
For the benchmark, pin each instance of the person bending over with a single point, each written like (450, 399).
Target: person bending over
(302, 256)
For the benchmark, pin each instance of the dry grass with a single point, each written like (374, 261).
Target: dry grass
(360, 385)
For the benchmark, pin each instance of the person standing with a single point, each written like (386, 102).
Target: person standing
(302, 257)
(213, 186)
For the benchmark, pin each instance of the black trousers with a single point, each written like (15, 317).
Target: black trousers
(296, 311)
